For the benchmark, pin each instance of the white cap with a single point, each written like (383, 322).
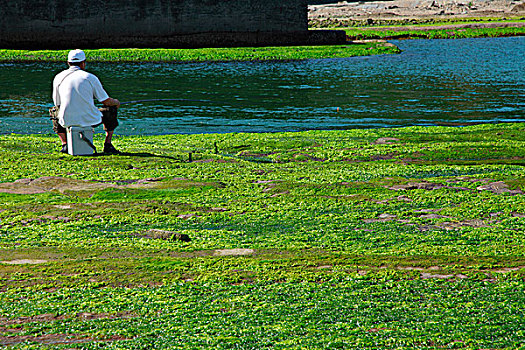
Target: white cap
(76, 56)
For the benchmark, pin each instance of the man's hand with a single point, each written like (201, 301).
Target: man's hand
(111, 102)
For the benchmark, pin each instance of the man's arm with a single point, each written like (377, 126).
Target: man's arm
(56, 96)
(111, 102)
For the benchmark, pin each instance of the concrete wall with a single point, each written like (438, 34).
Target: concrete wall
(148, 23)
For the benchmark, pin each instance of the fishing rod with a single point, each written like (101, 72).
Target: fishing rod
(163, 99)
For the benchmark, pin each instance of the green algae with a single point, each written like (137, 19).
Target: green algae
(204, 55)
(424, 33)
(425, 28)
(303, 198)
(351, 231)
(281, 315)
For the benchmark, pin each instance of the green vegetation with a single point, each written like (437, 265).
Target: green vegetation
(205, 55)
(408, 238)
(422, 33)
(425, 28)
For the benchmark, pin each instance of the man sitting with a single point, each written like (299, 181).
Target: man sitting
(73, 91)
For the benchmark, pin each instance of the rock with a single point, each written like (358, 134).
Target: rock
(233, 252)
(23, 181)
(169, 235)
(24, 262)
(387, 216)
(426, 275)
(404, 199)
(498, 187)
(427, 210)
(181, 237)
(220, 210)
(151, 179)
(417, 186)
(433, 216)
(386, 141)
(519, 8)
(405, 9)
(187, 216)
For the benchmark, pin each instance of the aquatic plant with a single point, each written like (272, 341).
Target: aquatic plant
(206, 55)
(379, 238)
(421, 33)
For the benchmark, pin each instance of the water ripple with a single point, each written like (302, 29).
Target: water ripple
(432, 82)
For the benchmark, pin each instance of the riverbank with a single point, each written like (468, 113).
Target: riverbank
(421, 28)
(440, 30)
(206, 55)
(408, 19)
(266, 240)
(443, 31)
(412, 11)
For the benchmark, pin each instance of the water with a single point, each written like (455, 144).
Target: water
(432, 82)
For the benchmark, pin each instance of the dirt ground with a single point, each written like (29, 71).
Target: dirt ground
(400, 9)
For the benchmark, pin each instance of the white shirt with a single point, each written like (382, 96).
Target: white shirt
(75, 97)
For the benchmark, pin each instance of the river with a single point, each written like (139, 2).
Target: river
(433, 82)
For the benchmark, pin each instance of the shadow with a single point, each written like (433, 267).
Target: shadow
(458, 123)
(130, 154)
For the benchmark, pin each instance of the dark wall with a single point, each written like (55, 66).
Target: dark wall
(147, 23)
(151, 16)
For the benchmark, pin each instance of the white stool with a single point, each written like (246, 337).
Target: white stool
(80, 140)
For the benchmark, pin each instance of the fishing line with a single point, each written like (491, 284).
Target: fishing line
(164, 99)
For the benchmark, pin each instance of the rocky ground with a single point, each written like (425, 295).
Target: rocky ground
(399, 9)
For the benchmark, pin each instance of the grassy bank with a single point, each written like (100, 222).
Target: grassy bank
(426, 33)
(205, 55)
(426, 28)
(387, 238)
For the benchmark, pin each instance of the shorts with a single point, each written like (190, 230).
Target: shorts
(109, 119)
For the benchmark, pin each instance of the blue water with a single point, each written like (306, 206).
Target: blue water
(433, 82)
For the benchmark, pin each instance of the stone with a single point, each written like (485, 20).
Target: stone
(233, 252)
(24, 262)
(168, 235)
(386, 141)
(519, 8)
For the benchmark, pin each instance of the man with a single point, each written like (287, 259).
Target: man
(73, 91)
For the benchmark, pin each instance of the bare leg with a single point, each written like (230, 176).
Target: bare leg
(63, 137)
(108, 147)
(109, 135)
